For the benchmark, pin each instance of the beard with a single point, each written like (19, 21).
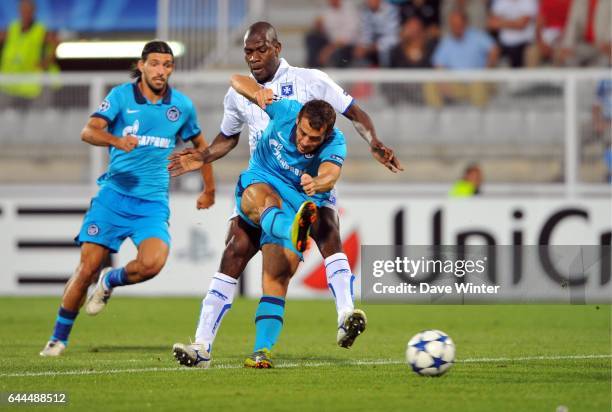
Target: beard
(156, 90)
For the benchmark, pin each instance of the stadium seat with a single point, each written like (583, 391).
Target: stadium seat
(504, 127)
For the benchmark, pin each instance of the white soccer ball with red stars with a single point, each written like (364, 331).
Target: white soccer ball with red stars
(430, 353)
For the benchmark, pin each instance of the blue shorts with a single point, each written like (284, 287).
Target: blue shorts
(112, 217)
(291, 196)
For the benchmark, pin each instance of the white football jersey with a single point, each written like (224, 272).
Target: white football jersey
(289, 82)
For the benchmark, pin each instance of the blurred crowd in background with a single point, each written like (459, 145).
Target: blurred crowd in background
(397, 34)
(461, 34)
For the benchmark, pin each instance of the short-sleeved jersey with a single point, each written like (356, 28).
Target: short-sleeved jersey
(469, 52)
(277, 152)
(294, 83)
(142, 173)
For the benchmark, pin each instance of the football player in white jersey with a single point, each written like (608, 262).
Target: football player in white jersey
(262, 54)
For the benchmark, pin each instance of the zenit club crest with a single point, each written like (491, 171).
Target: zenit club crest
(173, 114)
(93, 230)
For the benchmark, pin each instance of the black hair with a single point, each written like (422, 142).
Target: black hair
(155, 46)
(265, 28)
(320, 114)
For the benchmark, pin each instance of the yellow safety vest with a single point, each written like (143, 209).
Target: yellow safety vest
(463, 188)
(22, 53)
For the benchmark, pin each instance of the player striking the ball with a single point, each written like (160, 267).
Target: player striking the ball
(142, 120)
(261, 51)
(290, 175)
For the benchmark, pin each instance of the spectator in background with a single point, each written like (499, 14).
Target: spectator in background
(464, 48)
(550, 23)
(515, 21)
(330, 43)
(476, 11)
(587, 36)
(378, 32)
(414, 51)
(428, 11)
(469, 184)
(28, 48)
(602, 122)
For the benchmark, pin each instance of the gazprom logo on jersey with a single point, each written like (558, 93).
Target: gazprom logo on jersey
(173, 114)
(156, 141)
(277, 149)
(131, 130)
(286, 89)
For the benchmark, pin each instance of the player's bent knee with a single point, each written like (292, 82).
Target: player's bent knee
(150, 268)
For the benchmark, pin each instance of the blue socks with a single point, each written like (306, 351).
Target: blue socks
(275, 222)
(116, 277)
(268, 322)
(63, 325)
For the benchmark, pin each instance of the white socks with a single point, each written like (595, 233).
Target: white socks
(340, 282)
(215, 305)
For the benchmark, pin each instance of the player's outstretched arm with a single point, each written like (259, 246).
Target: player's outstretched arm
(207, 197)
(95, 134)
(193, 159)
(328, 175)
(250, 89)
(364, 126)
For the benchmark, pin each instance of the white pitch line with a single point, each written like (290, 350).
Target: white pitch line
(297, 365)
(530, 358)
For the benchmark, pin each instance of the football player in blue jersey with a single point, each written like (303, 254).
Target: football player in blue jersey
(139, 122)
(291, 174)
(262, 54)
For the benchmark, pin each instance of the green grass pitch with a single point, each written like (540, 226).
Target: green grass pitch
(509, 358)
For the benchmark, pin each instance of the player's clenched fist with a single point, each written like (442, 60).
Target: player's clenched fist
(308, 184)
(205, 200)
(264, 97)
(185, 161)
(126, 143)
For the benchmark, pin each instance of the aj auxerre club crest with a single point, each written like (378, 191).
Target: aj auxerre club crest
(173, 114)
(286, 89)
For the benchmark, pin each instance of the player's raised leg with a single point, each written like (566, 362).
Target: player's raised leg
(92, 257)
(351, 322)
(279, 264)
(241, 244)
(263, 206)
(151, 258)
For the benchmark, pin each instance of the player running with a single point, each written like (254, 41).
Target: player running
(279, 194)
(262, 50)
(142, 120)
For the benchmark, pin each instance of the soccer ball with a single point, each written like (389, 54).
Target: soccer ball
(430, 353)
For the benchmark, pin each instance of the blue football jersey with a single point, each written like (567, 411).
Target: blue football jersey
(277, 153)
(143, 173)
